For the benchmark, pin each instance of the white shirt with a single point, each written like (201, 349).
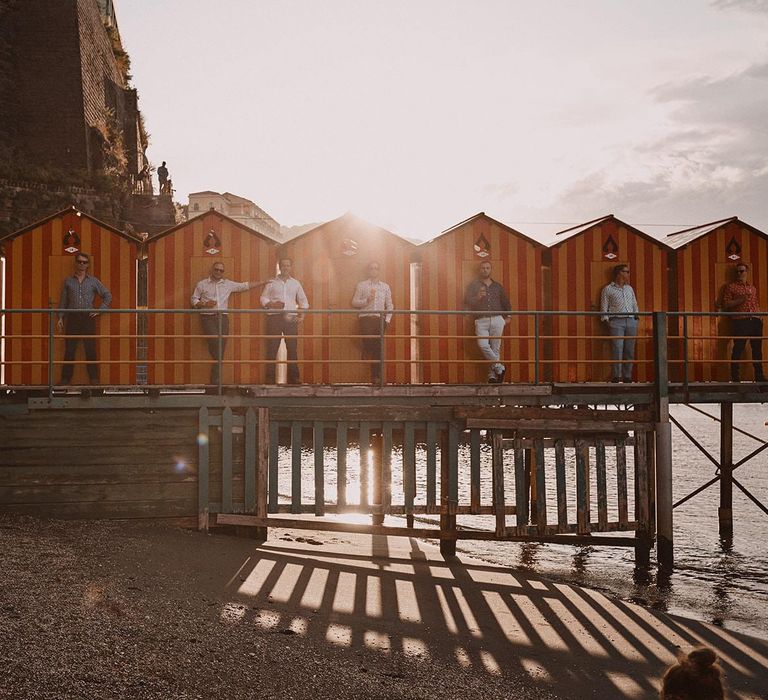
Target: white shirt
(218, 290)
(618, 301)
(289, 291)
(382, 300)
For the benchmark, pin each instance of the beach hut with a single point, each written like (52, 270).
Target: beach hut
(448, 351)
(329, 261)
(37, 259)
(176, 260)
(582, 260)
(706, 257)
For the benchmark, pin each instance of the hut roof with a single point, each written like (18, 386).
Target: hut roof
(124, 234)
(211, 212)
(483, 215)
(568, 233)
(680, 239)
(350, 219)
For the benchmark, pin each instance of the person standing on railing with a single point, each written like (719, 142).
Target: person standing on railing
(487, 295)
(284, 296)
(212, 294)
(618, 304)
(373, 295)
(741, 296)
(79, 291)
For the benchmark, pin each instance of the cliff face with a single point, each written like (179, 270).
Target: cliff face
(70, 127)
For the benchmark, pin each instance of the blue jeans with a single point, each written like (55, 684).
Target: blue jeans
(622, 347)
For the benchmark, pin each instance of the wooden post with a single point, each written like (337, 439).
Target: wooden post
(498, 484)
(447, 512)
(262, 469)
(664, 544)
(202, 469)
(377, 453)
(725, 511)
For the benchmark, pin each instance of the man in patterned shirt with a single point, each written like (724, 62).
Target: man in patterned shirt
(618, 305)
(79, 292)
(741, 296)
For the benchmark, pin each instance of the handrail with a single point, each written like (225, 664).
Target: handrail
(537, 349)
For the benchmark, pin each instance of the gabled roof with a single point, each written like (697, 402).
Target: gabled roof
(353, 220)
(212, 212)
(483, 215)
(680, 239)
(567, 234)
(204, 192)
(237, 198)
(73, 209)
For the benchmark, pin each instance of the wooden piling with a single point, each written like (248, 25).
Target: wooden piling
(725, 511)
(447, 511)
(663, 451)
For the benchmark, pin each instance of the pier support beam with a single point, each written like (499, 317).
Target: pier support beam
(725, 511)
(663, 430)
(447, 511)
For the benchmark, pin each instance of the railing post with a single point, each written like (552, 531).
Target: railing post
(220, 353)
(536, 347)
(664, 544)
(50, 348)
(382, 349)
(686, 377)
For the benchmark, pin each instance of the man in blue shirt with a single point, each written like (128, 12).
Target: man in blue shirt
(618, 305)
(79, 292)
(486, 295)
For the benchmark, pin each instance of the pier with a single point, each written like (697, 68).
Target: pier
(580, 463)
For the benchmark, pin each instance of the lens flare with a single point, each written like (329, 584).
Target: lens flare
(202, 438)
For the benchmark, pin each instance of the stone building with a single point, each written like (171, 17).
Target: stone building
(242, 210)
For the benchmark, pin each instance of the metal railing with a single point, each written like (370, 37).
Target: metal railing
(29, 338)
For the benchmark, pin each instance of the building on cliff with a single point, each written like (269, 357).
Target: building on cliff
(70, 127)
(242, 210)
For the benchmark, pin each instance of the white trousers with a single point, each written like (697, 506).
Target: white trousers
(490, 347)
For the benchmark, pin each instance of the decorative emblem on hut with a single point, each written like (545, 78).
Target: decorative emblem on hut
(482, 247)
(610, 249)
(71, 242)
(733, 250)
(349, 247)
(212, 243)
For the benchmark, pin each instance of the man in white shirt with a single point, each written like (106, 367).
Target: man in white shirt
(212, 294)
(373, 295)
(283, 295)
(618, 305)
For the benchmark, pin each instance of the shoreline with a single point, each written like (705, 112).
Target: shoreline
(134, 609)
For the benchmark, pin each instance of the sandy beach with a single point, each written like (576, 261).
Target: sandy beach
(138, 610)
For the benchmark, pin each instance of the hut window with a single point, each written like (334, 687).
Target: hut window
(196, 206)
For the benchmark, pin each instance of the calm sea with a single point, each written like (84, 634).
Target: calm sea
(721, 583)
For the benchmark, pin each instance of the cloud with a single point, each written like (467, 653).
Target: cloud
(760, 6)
(709, 162)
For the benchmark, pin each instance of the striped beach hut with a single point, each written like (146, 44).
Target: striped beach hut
(706, 257)
(448, 351)
(37, 260)
(582, 259)
(329, 261)
(176, 260)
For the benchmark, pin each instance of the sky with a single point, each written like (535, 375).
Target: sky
(418, 114)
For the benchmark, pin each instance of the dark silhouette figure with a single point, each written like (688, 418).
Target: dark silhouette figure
(695, 676)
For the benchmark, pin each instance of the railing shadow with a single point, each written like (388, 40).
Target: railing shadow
(381, 595)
